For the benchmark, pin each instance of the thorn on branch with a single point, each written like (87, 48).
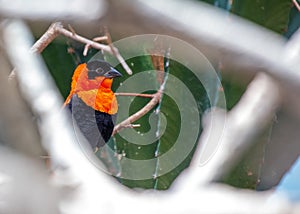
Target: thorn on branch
(132, 126)
(71, 29)
(100, 39)
(135, 94)
(86, 49)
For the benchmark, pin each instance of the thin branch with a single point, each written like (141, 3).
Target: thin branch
(71, 29)
(57, 28)
(135, 94)
(61, 30)
(155, 100)
(100, 39)
(46, 38)
(133, 126)
(41, 43)
(109, 41)
(86, 49)
(116, 52)
(121, 60)
(296, 5)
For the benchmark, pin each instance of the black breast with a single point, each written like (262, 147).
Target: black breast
(96, 126)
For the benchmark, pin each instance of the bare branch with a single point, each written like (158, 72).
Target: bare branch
(132, 126)
(57, 28)
(46, 38)
(122, 61)
(100, 39)
(86, 49)
(61, 30)
(155, 100)
(114, 51)
(71, 29)
(135, 94)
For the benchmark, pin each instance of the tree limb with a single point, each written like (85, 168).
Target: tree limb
(125, 123)
(57, 28)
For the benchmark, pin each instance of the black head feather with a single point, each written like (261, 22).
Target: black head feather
(98, 68)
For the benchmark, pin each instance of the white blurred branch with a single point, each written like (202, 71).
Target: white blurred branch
(45, 102)
(224, 36)
(97, 192)
(244, 123)
(226, 136)
(296, 5)
(292, 49)
(17, 129)
(81, 10)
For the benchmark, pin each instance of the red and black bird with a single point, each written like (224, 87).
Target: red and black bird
(92, 102)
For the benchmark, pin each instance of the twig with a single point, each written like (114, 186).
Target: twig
(155, 100)
(100, 39)
(140, 113)
(116, 52)
(132, 126)
(71, 29)
(57, 28)
(122, 61)
(135, 94)
(109, 41)
(61, 30)
(296, 5)
(46, 38)
(86, 49)
(41, 43)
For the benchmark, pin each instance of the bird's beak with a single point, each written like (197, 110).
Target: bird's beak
(112, 73)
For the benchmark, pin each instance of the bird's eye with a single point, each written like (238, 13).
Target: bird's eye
(99, 70)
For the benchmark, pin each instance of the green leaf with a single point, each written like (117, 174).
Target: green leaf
(272, 14)
(148, 163)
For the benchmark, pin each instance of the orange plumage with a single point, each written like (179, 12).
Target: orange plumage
(92, 102)
(95, 93)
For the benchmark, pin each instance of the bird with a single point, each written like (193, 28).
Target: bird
(91, 101)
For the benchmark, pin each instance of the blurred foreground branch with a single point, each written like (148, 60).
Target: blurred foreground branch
(16, 126)
(296, 5)
(78, 170)
(96, 192)
(227, 136)
(245, 122)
